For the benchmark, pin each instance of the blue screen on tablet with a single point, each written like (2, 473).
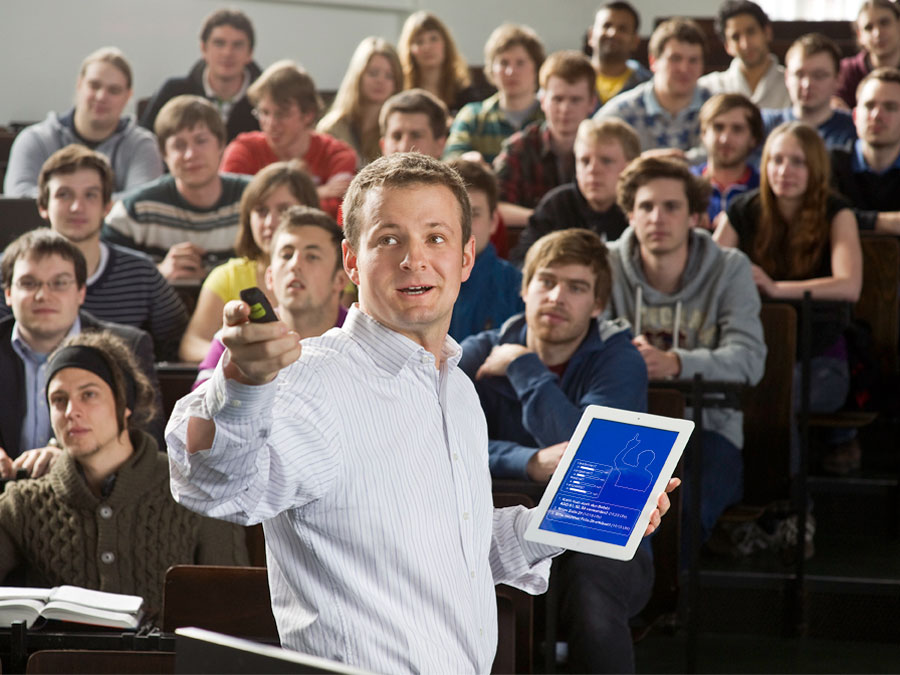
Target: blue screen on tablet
(608, 481)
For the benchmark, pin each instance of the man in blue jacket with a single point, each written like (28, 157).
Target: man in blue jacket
(534, 377)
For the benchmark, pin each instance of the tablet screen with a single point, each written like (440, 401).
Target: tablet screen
(608, 481)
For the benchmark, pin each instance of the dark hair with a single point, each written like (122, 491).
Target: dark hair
(285, 82)
(723, 103)
(732, 8)
(683, 30)
(816, 43)
(38, 244)
(228, 17)
(186, 112)
(401, 170)
(70, 159)
(576, 246)
(879, 4)
(307, 216)
(622, 6)
(477, 177)
(645, 169)
(507, 36)
(414, 101)
(882, 75)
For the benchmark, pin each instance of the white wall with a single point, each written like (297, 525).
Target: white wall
(42, 42)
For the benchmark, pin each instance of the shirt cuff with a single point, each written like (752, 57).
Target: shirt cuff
(230, 399)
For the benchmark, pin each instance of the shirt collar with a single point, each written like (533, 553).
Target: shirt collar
(210, 94)
(24, 350)
(858, 163)
(389, 349)
(653, 106)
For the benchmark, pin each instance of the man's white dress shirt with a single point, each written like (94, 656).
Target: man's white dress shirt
(770, 92)
(369, 470)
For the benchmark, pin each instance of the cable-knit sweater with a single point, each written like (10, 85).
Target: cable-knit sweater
(123, 543)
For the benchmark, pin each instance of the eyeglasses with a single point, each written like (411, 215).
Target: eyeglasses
(29, 285)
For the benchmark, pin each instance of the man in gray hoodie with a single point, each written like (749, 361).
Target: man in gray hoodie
(101, 93)
(693, 306)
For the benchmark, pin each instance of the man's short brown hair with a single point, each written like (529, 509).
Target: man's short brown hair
(286, 82)
(112, 56)
(574, 246)
(683, 30)
(477, 177)
(228, 17)
(645, 169)
(506, 37)
(816, 43)
(413, 101)
(186, 112)
(591, 132)
(891, 75)
(70, 159)
(401, 170)
(569, 65)
(725, 103)
(38, 244)
(308, 216)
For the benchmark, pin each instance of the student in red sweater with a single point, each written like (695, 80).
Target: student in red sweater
(287, 105)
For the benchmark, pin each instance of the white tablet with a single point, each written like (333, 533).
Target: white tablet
(608, 481)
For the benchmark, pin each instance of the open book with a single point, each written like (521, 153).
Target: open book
(70, 603)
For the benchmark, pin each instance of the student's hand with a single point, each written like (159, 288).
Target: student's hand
(763, 281)
(37, 461)
(183, 261)
(256, 351)
(660, 365)
(335, 187)
(662, 505)
(499, 359)
(544, 462)
(6, 465)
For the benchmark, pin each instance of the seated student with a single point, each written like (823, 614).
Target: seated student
(373, 76)
(613, 38)
(101, 93)
(694, 308)
(271, 192)
(746, 33)
(222, 75)
(287, 105)
(801, 237)
(413, 121)
(123, 286)
(869, 174)
(602, 151)
(492, 293)
(305, 277)
(540, 157)
(431, 61)
(877, 29)
(812, 63)
(534, 377)
(512, 57)
(44, 278)
(104, 517)
(731, 129)
(189, 217)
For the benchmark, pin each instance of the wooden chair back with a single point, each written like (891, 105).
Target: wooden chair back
(879, 304)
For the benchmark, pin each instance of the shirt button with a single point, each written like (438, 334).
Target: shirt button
(456, 456)
(106, 512)
(108, 557)
(465, 515)
(472, 574)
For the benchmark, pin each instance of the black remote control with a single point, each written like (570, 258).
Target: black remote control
(260, 309)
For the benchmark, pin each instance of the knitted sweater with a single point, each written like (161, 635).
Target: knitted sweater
(123, 543)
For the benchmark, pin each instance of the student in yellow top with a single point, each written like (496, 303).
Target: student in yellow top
(613, 39)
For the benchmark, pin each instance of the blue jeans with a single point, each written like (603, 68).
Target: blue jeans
(829, 382)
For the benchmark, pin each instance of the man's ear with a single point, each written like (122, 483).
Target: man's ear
(468, 258)
(45, 214)
(652, 62)
(695, 219)
(107, 208)
(269, 280)
(495, 221)
(350, 262)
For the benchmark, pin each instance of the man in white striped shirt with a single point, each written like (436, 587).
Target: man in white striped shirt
(366, 459)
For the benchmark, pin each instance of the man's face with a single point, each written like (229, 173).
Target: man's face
(227, 52)
(100, 96)
(746, 40)
(560, 303)
(411, 259)
(514, 72)
(566, 105)
(193, 156)
(484, 221)
(411, 132)
(728, 139)
(82, 412)
(613, 35)
(283, 125)
(878, 31)
(678, 68)
(266, 214)
(661, 217)
(597, 169)
(305, 274)
(811, 80)
(877, 114)
(44, 314)
(75, 206)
